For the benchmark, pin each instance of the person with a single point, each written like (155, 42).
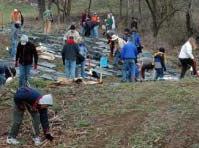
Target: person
(110, 42)
(109, 22)
(134, 23)
(85, 16)
(88, 27)
(82, 51)
(186, 57)
(136, 39)
(159, 63)
(95, 19)
(113, 24)
(129, 55)
(6, 72)
(37, 105)
(16, 22)
(48, 19)
(119, 43)
(26, 52)
(74, 33)
(70, 52)
(146, 63)
(127, 34)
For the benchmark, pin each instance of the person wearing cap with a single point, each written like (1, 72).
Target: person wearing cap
(26, 52)
(37, 106)
(74, 33)
(95, 19)
(159, 63)
(186, 57)
(119, 44)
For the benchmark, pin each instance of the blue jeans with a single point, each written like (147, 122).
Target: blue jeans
(117, 57)
(14, 41)
(70, 66)
(82, 67)
(24, 72)
(128, 70)
(159, 73)
(94, 32)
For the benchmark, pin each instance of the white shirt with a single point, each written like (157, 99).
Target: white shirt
(186, 51)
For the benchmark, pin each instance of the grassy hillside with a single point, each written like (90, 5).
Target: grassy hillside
(141, 115)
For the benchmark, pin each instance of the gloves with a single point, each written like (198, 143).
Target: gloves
(35, 66)
(49, 137)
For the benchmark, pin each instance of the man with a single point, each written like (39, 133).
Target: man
(48, 19)
(84, 17)
(129, 55)
(134, 23)
(127, 35)
(26, 52)
(37, 106)
(70, 52)
(186, 57)
(96, 22)
(72, 32)
(136, 39)
(16, 21)
(6, 72)
(119, 43)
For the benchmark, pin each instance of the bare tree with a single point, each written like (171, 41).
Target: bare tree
(41, 7)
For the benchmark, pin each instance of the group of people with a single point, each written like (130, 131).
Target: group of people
(125, 50)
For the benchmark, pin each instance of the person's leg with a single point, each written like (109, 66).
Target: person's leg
(27, 73)
(96, 33)
(73, 66)
(124, 71)
(49, 27)
(184, 65)
(2, 80)
(83, 69)
(21, 76)
(17, 120)
(67, 69)
(77, 71)
(143, 72)
(35, 121)
(132, 70)
(117, 58)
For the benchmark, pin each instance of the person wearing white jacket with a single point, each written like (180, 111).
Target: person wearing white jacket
(186, 57)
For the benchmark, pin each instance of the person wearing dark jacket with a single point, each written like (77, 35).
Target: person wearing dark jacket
(26, 52)
(6, 72)
(69, 55)
(37, 106)
(159, 63)
(129, 56)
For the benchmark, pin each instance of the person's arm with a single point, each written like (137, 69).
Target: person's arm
(163, 62)
(35, 56)
(63, 55)
(17, 56)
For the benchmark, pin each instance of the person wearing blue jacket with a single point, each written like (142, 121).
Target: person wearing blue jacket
(129, 56)
(159, 63)
(37, 106)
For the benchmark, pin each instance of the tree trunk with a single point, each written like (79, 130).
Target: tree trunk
(188, 20)
(121, 5)
(89, 6)
(68, 7)
(127, 12)
(41, 7)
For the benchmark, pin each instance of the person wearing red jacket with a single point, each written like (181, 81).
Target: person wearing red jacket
(26, 52)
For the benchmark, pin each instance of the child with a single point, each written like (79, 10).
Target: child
(83, 51)
(159, 61)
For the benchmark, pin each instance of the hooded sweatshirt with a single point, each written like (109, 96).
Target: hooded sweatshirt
(70, 50)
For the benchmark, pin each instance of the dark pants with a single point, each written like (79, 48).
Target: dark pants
(159, 73)
(146, 67)
(186, 64)
(17, 120)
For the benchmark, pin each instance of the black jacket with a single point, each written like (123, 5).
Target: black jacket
(26, 53)
(70, 51)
